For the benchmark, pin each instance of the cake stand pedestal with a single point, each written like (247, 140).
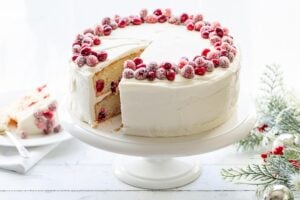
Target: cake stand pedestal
(157, 165)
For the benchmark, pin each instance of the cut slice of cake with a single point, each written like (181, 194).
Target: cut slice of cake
(33, 114)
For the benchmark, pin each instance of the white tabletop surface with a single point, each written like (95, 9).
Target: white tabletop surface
(35, 40)
(76, 171)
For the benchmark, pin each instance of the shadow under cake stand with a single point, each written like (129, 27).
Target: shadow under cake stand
(157, 165)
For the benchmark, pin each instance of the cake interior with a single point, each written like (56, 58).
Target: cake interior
(109, 79)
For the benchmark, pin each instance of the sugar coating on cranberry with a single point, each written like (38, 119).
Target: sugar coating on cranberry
(129, 64)
(162, 19)
(167, 12)
(99, 85)
(128, 73)
(190, 26)
(142, 65)
(161, 73)
(80, 61)
(175, 68)
(122, 23)
(140, 74)
(76, 48)
(209, 66)
(212, 55)
(143, 13)
(174, 20)
(188, 71)
(152, 66)
(107, 30)
(199, 25)
(227, 39)
(98, 30)
(182, 62)
(198, 17)
(183, 17)
(230, 56)
(200, 62)
(224, 62)
(137, 60)
(151, 19)
(92, 60)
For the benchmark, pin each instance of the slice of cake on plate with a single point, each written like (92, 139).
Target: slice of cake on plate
(168, 75)
(33, 114)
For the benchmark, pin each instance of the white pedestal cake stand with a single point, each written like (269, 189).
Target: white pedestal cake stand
(158, 168)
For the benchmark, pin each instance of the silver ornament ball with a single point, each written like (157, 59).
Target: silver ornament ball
(278, 192)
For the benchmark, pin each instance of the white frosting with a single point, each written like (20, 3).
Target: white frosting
(161, 107)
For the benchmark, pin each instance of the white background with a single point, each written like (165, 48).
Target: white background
(36, 36)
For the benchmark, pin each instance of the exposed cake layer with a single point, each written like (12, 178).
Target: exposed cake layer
(108, 107)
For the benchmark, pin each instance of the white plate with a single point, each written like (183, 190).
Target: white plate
(32, 141)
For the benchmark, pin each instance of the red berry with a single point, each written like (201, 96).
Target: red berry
(137, 60)
(76, 48)
(122, 23)
(98, 30)
(216, 62)
(85, 51)
(182, 62)
(106, 21)
(88, 41)
(198, 17)
(97, 41)
(199, 25)
(92, 60)
(161, 73)
(183, 17)
(151, 19)
(278, 150)
(204, 34)
(102, 56)
(168, 12)
(143, 13)
(80, 61)
(136, 21)
(57, 129)
(107, 30)
(205, 52)
(188, 71)
(157, 12)
(129, 64)
(166, 65)
(162, 19)
(219, 32)
(128, 73)
(212, 55)
(224, 62)
(142, 65)
(190, 26)
(200, 71)
(101, 115)
(48, 114)
(264, 156)
(151, 75)
(170, 75)
(74, 57)
(200, 62)
(152, 66)
(99, 85)
(140, 74)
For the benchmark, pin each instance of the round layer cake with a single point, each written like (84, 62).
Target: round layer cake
(167, 75)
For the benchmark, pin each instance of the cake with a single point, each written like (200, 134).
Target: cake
(33, 114)
(166, 75)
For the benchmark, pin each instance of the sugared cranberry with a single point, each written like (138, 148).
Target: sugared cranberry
(161, 73)
(140, 74)
(88, 41)
(57, 129)
(76, 48)
(151, 19)
(190, 26)
(122, 23)
(219, 32)
(53, 106)
(215, 25)
(170, 75)
(183, 17)
(166, 65)
(99, 85)
(97, 41)
(226, 46)
(99, 30)
(114, 25)
(92, 60)
(101, 115)
(74, 57)
(117, 18)
(199, 25)
(107, 30)
(198, 17)
(223, 52)
(233, 50)
(136, 21)
(168, 12)
(204, 34)
(94, 53)
(128, 73)
(227, 39)
(192, 63)
(225, 31)
(90, 35)
(102, 56)
(214, 39)
(129, 64)
(188, 71)
(152, 66)
(151, 75)
(182, 62)
(212, 55)
(142, 65)
(224, 62)
(200, 62)
(209, 66)
(157, 12)
(205, 52)
(79, 37)
(216, 62)
(174, 20)
(48, 114)
(80, 61)
(143, 13)
(137, 60)
(85, 51)
(175, 68)
(162, 19)
(106, 21)
(200, 71)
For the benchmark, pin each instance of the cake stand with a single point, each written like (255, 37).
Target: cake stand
(156, 165)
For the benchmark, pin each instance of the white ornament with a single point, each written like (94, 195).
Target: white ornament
(295, 180)
(297, 140)
(278, 192)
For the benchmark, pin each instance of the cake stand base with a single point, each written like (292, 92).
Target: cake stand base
(154, 173)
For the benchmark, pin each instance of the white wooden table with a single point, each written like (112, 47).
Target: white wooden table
(75, 170)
